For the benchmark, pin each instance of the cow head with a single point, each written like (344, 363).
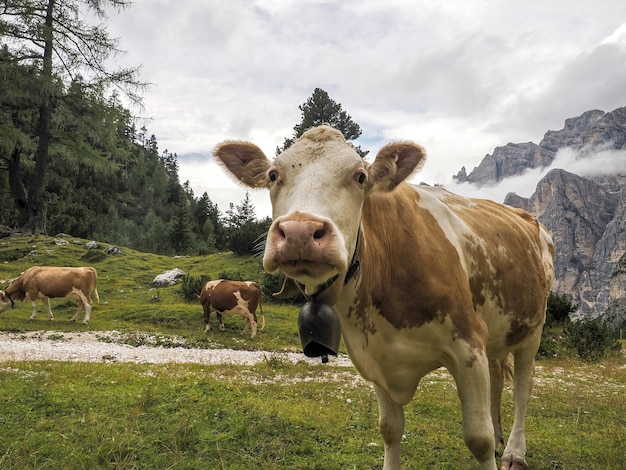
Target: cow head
(317, 188)
(5, 302)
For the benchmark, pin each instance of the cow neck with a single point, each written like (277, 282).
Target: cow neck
(324, 293)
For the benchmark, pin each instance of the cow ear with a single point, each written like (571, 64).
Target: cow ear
(245, 161)
(394, 163)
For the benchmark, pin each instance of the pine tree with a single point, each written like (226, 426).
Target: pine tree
(52, 35)
(320, 109)
(180, 235)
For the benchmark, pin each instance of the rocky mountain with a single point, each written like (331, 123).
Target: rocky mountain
(584, 133)
(586, 214)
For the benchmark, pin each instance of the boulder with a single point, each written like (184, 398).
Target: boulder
(168, 278)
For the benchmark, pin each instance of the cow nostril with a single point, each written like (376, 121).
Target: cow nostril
(319, 234)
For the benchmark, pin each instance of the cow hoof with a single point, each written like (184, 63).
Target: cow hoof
(85, 323)
(513, 461)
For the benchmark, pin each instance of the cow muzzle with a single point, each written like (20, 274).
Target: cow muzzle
(305, 248)
(319, 329)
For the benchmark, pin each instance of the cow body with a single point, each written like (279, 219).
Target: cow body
(421, 278)
(232, 297)
(47, 282)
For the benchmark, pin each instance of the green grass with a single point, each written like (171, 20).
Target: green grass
(271, 416)
(129, 302)
(282, 416)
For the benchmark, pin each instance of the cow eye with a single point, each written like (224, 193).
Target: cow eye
(272, 175)
(360, 177)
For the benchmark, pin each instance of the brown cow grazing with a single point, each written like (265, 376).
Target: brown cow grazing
(420, 278)
(230, 297)
(47, 282)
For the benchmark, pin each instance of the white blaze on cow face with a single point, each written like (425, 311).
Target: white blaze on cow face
(315, 196)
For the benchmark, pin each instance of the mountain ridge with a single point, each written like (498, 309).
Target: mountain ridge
(586, 214)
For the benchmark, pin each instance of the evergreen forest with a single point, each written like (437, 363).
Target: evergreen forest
(72, 159)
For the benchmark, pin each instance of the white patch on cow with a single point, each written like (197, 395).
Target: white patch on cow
(211, 284)
(453, 227)
(414, 352)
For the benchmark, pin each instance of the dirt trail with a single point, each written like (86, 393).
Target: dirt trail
(106, 346)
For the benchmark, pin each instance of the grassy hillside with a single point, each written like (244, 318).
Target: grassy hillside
(129, 302)
(274, 415)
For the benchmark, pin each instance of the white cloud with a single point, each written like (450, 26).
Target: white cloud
(206, 175)
(585, 163)
(459, 77)
(617, 37)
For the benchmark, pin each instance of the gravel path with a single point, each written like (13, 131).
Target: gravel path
(105, 346)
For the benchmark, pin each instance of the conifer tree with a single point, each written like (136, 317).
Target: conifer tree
(55, 38)
(319, 109)
(180, 235)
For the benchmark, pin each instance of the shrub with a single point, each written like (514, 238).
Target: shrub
(590, 339)
(191, 286)
(232, 275)
(558, 309)
(549, 345)
(273, 283)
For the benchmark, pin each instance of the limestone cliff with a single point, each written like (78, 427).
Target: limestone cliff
(587, 131)
(586, 215)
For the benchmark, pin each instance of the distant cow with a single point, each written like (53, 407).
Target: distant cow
(421, 278)
(46, 282)
(230, 297)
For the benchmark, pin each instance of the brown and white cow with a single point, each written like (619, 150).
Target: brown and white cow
(49, 282)
(232, 297)
(421, 278)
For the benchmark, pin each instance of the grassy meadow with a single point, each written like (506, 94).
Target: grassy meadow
(129, 302)
(274, 415)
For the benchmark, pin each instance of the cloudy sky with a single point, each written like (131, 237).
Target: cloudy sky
(459, 77)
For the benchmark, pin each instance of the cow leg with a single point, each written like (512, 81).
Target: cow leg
(34, 315)
(514, 457)
(254, 326)
(78, 310)
(220, 318)
(496, 376)
(391, 423)
(246, 323)
(207, 315)
(249, 319)
(472, 382)
(87, 313)
(46, 303)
